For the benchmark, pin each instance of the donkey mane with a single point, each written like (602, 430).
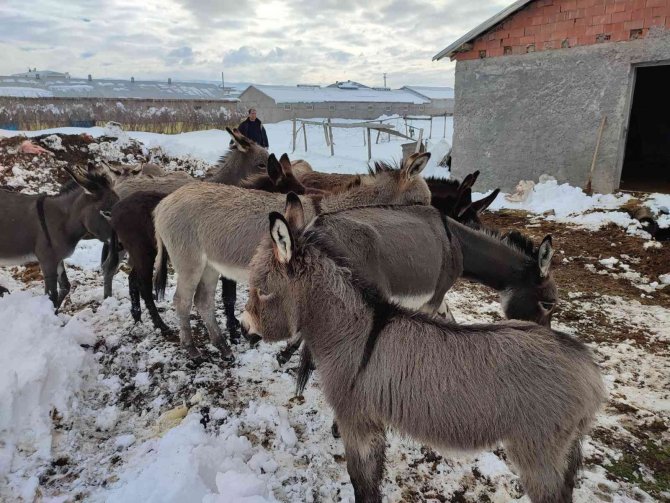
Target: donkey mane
(515, 240)
(256, 180)
(383, 167)
(228, 153)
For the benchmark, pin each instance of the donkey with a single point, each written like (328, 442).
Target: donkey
(449, 386)
(3, 290)
(131, 220)
(210, 229)
(243, 159)
(48, 228)
(379, 241)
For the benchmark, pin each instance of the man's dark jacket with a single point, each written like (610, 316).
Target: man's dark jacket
(254, 131)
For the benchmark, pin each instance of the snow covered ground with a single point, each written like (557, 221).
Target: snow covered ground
(97, 408)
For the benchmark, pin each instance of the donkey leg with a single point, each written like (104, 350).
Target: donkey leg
(144, 270)
(3, 290)
(50, 272)
(134, 292)
(187, 281)
(365, 449)
(205, 302)
(543, 469)
(445, 312)
(229, 296)
(63, 283)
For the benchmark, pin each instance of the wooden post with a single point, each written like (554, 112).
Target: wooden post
(364, 143)
(379, 131)
(325, 134)
(445, 125)
(294, 134)
(431, 127)
(369, 145)
(304, 132)
(330, 129)
(418, 141)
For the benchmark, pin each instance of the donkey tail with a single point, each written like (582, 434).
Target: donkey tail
(305, 369)
(161, 270)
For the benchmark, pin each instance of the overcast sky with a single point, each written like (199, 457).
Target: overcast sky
(278, 42)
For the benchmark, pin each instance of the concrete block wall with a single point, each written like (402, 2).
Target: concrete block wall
(558, 24)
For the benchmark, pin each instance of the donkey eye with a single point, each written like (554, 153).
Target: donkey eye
(547, 306)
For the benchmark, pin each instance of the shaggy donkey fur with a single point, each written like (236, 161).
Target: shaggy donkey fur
(464, 387)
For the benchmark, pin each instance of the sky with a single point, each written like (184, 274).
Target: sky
(275, 42)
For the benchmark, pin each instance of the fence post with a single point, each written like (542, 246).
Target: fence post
(445, 125)
(304, 132)
(418, 141)
(325, 134)
(294, 134)
(369, 145)
(431, 127)
(332, 147)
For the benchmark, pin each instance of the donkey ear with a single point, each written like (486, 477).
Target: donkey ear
(282, 239)
(295, 215)
(544, 255)
(482, 204)
(241, 141)
(286, 165)
(79, 179)
(415, 164)
(274, 169)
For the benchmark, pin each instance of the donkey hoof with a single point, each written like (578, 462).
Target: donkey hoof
(137, 316)
(282, 359)
(193, 352)
(253, 340)
(335, 430)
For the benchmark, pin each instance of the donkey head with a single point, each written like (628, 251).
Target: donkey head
(404, 185)
(271, 312)
(534, 296)
(242, 159)
(97, 199)
(454, 199)
(278, 178)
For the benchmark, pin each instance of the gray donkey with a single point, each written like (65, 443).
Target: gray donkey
(453, 387)
(210, 229)
(48, 228)
(414, 255)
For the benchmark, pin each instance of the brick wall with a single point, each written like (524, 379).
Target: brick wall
(557, 24)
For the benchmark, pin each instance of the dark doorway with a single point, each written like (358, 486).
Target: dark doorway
(646, 165)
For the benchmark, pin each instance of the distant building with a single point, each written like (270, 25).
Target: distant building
(37, 99)
(441, 98)
(348, 100)
(535, 82)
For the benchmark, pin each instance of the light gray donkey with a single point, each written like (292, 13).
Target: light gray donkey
(211, 229)
(464, 387)
(48, 228)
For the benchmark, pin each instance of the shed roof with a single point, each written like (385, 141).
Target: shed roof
(432, 92)
(58, 87)
(450, 50)
(294, 94)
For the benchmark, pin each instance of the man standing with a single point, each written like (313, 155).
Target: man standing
(253, 129)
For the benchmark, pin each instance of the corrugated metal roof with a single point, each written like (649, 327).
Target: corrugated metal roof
(58, 87)
(294, 94)
(432, 92)
(450, 50)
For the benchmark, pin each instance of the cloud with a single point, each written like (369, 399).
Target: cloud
(181, 56)
(282, 42)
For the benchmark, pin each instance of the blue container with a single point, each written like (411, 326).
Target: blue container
(9, 126)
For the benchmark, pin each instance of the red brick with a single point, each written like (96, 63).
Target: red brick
(634, 25)
(581, 22)
(661, 11)
(614, 27)
(498, 51)
(604, 19)
(527, 39)
(586, 40)
(513, 41)
(530, 30)
(595, 30)
(583, 4)
(536, 21)
(519, 32)
(559, 35)
(617, 7)
(655, 3)
(655, 21)
(639, 4)
(618, 17)
(596, 10)
(569, 5)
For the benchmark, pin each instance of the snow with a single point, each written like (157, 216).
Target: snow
(24, 92)
(315, 94)
(42, 367)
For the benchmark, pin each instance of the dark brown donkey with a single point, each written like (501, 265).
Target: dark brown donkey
(47, 228)
(464, 387)
(132, 222)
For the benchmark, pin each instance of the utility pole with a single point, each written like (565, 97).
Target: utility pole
(384, 81)
(223, 82)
